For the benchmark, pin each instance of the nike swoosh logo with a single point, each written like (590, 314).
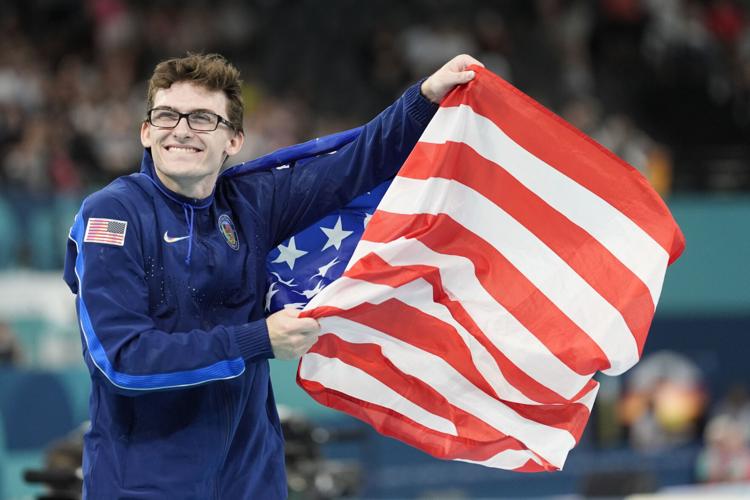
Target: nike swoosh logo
(170, 239)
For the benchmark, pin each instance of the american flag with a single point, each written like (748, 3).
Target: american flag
(510, 260)
(108, 231)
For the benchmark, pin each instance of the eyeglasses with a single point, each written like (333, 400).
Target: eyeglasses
(200, 121)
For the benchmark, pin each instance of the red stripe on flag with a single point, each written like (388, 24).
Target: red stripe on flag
(583, 253)
(507, 285)
(476, 440)
(101, 234)
(400, 321)
(373, 269)
(396, 425)
(542, 133)
(370, 359)
(102, 239)
(571, 417)
(106, 236)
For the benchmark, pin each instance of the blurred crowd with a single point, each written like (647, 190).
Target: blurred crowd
(665, 84)
(664, 404)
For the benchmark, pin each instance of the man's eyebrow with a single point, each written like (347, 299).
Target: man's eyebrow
(197, 110)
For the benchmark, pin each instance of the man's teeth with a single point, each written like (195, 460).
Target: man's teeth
(182, 149)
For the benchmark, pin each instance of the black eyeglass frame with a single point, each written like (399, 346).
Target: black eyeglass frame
(219, 119)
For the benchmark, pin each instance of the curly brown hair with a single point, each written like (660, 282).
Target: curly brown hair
(211, 71)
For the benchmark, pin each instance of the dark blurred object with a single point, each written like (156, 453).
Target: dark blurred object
(62, 474)
(726, 457)
(35, 408)
(309, 475)
(618, 484)
(11, 353)
(726, 453)
(722, 168)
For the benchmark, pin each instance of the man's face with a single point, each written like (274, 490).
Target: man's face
(188, 161)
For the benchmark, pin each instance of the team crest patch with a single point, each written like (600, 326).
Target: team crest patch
(226, 226)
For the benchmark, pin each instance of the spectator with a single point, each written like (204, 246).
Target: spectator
(664, 402)
(11, 353)
(726, 456)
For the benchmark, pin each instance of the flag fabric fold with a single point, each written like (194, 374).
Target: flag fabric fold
(510, 260)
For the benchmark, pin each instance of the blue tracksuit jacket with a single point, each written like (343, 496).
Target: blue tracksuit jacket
(172, 321)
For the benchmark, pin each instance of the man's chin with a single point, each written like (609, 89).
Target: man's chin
(180, 166)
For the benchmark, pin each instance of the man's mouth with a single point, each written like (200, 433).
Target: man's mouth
(182, 149)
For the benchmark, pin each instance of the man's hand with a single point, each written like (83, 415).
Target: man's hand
(451, 74)
(291, 336)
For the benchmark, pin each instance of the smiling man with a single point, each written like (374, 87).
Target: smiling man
(168, 265)
(187, 162)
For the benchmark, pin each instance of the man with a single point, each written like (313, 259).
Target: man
(169, 269)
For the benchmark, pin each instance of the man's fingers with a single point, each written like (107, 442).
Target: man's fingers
(453, 73)
(308, 324)
(447, 81)
(290, 335)
(470, 60)
(465, 76)
(461, 62)
(308, 343)
(290, 311)
(302, 341)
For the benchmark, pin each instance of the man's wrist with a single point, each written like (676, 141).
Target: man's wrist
(253, 341)
(424, 90)
(418, 105)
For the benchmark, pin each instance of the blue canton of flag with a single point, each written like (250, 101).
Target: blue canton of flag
(303, 265)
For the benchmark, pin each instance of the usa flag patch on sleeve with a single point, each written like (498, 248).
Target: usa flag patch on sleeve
(108, 231)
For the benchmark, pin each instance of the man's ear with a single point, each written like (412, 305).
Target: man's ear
(145, 135)
(233, 146)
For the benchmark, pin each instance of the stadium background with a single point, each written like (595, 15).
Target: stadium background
(665, 84)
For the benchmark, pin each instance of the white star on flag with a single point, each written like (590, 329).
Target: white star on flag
(315, 291)
(323, 270)
(367, 218)
(290, 283)
(335, 235)
(272, 290)
(289, 253)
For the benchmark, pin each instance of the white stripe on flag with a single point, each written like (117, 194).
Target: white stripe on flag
(339, 376)
(347, 293)
(543, 267)
(521, 347)
(549, 442)
(619, 234)
(507, 459)
(589, 398)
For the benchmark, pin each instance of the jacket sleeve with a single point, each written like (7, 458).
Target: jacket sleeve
(120, 340)
(319, 185)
